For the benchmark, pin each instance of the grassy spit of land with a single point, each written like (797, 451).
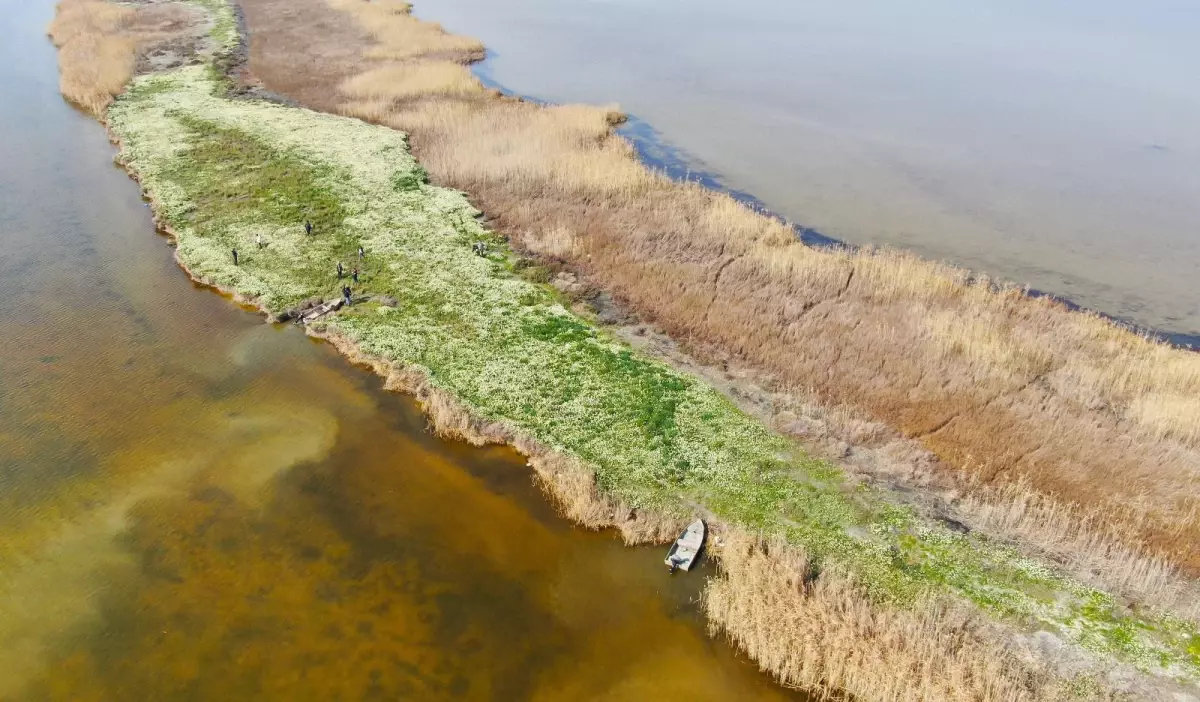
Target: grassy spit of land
(1071, 436)
(858, 593)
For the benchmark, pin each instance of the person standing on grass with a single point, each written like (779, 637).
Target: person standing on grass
(259, 240)
(235, 257)
(360, 253)
(354, 274)
(339, 270)
(346, 294)
(307, 227)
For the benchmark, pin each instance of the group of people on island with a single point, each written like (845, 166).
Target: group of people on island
(479, 248)
(341, 271)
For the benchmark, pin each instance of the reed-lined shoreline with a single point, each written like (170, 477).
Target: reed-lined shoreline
(658, 154)
(1061, 376)
(882, 578)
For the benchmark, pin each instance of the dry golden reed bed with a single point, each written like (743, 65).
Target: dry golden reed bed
(821, 634)
(96, 48)
(1087, 418)
(98, 44)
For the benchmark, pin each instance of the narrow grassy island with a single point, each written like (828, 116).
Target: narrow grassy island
(228, 173)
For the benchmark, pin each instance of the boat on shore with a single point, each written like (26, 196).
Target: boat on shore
(686, 549)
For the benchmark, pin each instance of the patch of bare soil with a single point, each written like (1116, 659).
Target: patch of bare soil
(303, 50)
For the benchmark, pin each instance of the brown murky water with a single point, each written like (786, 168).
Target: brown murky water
(1047, 142)
(195, 505)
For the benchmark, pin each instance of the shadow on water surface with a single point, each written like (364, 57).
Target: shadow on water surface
(659, 154)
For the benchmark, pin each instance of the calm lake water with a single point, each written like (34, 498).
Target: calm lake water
(195, 505)
(1049, 142)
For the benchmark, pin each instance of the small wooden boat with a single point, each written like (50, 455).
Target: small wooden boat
(686, 549)
(315, 313)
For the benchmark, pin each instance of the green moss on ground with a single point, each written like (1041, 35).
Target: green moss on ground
(225, 172)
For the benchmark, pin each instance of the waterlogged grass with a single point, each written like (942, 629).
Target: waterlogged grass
(226, 172)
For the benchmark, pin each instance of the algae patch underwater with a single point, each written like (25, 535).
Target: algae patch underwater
(224, 172)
